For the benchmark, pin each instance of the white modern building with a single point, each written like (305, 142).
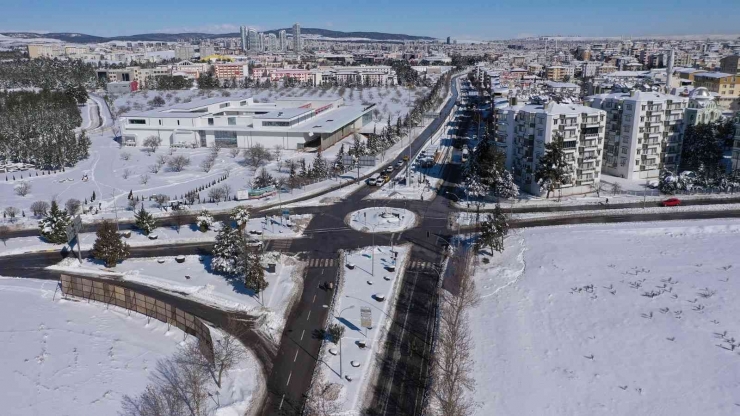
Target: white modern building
(283, 40)
(702, 108)
(523, 130)
(297, 41)
(292, 123)
(644, 132)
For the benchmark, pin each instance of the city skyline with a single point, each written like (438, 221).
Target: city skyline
(470, 22)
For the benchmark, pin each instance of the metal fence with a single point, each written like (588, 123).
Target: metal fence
(109, 293)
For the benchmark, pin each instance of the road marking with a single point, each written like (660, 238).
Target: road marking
(289, 376)
(296, 355)
(304, 331)
(309, 315)
(281, 402)
(314, 299)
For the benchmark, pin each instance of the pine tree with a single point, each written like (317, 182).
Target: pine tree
(552, 170)
(240, 215)
(320, 169)
(204, 220)
(109, 246)
(226, 251)
(493, 231)
(338, 161)
(144, 221)
(54, 225)
(504, 185)
(130, 194)
(254, 276)
(93, 196)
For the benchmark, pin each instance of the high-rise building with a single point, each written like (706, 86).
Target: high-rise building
(297, 43)
(448, 40)
(243, 33)
(736, 146)
(523, 131)
(283, 40)
(252, 40)
(644, 133)
(272, 43)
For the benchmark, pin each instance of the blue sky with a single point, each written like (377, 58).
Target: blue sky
(475, 20)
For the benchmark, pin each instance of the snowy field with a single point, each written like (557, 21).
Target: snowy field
(610, 320)
(381, 220)
(194, 280)
(66, 357)
(260, 228)
(362, 288)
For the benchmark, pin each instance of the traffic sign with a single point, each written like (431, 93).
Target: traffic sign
(366, 317)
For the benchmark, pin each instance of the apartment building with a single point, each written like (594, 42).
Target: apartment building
(730, 64)
(644, 133)
(44, 50)
(726, 85)
(230, 71)
(559, 73)
(523, 130)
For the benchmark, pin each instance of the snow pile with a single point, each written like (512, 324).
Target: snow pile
(610, 319)
(381, 220)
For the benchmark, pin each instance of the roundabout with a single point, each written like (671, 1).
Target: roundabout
(381, 220)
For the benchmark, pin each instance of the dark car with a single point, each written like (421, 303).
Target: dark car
(671, 202)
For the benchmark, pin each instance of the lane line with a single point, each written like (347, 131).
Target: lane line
(281, 402)
(289, 376)
(304, 331)
(314, 299)
(309, 315)
(296, 355)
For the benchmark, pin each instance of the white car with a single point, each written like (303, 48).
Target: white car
(371, 181)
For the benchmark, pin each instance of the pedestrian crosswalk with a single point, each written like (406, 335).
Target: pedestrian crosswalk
(279, 245)
(417, 265)
(321, 262)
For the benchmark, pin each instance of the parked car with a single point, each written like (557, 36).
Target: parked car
(653, 184)
(371, 181)
(399, 163)
(671, 202)
(389, 169)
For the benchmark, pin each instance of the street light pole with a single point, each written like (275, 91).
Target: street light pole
(341, 373)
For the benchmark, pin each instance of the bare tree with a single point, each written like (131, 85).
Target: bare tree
(151, 143)
(132, 204)
(4, 233)
(22, 189)
(227, 191)
(234, 152)
(144, 178)
(125, 155)
(207, 164)
(161, 200)
(40, 208)
(178, 163)
(453, 362)
(73, 206)
(277, 152)
(11, 212)
(257, 155)
(216, 194)
(227, 351)
(126, 173)
(179, 216)
(616, 188)
(322, 398)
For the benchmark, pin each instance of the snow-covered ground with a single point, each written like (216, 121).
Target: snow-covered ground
(611, 320)
(262, 228)
(66, 357)
(381, 220)
(193, 279)
(361, 289)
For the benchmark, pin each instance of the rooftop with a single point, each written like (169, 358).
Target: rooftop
(713, 75)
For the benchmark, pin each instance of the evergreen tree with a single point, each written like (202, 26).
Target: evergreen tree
(54, 225)
(493, 231)
(293, 179)
(227, 250)
(552, 170)
(109, 246)
(240, 215)
(702, 150)
(320, 169)
(338, 160)
(144, 221)
(254, 276)
(263, 179)
(204, 220)
(504, 185)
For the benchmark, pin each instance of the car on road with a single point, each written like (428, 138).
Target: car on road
(399, 164)
(406, 158)
(671, 202)
(371, 181)
(389, 169)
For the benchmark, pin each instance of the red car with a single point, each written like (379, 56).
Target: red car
(671, 202)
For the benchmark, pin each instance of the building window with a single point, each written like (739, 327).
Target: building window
(225, 138)
(160, 122)
(136, 121)
(210, 121)
(178, 122)
(232, 121)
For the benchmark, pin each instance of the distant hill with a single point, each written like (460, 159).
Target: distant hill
(174, 37)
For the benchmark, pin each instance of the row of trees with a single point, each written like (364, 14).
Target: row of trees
(39, 128)
(486, 172)
(51, 74)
